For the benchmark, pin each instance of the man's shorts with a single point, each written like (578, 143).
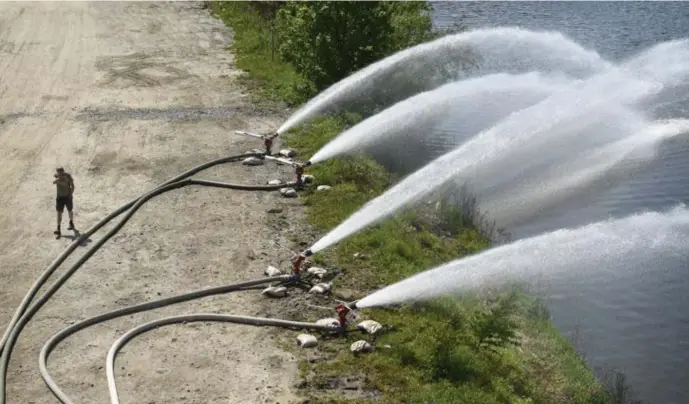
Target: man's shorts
(63, 201)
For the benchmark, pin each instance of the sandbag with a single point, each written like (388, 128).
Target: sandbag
(329, 321)
(286, 153)
(275, 291)
(323, 188)
(252, 161)
(370, 326)
(288, 192)
(274, 182)
(317, 272)
(361, 346)
(307, 178)
(272, 271)
(320, 288)
(306, 341)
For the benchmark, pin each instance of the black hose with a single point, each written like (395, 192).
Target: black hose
(88, 233)
(52, 343)
(31, 311)
(117, 345)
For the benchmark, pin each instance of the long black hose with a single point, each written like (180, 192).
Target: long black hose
(88, 233)
(52, 343)
(16, 326)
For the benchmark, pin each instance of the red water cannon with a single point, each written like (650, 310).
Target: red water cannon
(345, 314)
(298, 261)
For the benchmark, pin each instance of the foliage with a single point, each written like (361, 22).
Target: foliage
(270, 78)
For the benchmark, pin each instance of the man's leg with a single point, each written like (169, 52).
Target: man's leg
(59, 206)
(71, 215)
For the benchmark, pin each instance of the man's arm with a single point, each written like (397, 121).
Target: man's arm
(71, 185)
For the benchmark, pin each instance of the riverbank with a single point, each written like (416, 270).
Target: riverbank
(496, 349)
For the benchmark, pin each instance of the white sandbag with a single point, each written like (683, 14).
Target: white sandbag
(288, 192)
(317, 272)
(275, 291)
(272, 271)
(328, 321)
(274, 182)
(306, 341)
(370, 326)
(361, 346)
(320, 288)
(323, 188)
(252, 161)
(286, 153)
(307, 178)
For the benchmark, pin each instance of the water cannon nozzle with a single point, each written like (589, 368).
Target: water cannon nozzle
(308, 163)
(308, 253)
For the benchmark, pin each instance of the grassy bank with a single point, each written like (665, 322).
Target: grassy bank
(496, 349)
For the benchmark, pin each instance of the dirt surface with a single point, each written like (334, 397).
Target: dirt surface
(124, 96)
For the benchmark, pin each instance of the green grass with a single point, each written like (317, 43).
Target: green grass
(268, 78)
(465, 350)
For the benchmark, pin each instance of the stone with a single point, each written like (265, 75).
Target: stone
(323, 188)
(252, 161)
(272, 271)
(347, 295)
(306, 341)
(361, 346)
(288, 193)
(274, 182)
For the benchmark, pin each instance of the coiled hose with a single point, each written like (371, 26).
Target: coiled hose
(23, 314)
(52, 343)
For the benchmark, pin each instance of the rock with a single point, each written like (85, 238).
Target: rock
(252, 161)
(272, 271)
(347, 295)
(274, 182)
(308, 178)
(274, 210)
(306, 341)
(321, 288)
(275, 291)
(323, 188)
(370, 326)
(288, 193)
(361, 346)
(329, 321)
(287, 153)
(317, 272)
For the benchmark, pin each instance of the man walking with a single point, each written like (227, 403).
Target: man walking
(65, 190)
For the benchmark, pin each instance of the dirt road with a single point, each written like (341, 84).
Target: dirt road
(124, 96)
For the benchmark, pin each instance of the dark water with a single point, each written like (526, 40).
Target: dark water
(639, 325)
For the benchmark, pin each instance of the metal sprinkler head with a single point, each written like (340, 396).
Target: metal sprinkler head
(307, 253)
(308, 163)
(345, 315)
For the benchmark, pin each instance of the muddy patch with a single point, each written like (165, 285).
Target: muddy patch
(139, 70)
(5, 118)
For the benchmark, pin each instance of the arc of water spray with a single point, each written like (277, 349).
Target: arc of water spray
(606, 245)
(424, 109)
(580, 177)
(519, 133)
(513, 46)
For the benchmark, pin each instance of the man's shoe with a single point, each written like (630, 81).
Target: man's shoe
(71, 226)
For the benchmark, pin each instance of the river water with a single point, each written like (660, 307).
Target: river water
(638, 325)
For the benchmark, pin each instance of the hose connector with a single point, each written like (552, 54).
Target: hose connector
(345, 315)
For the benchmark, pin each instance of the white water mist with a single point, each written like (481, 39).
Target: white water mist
(504, 49)
(427, 108)
(528, 134)
(639, 239)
